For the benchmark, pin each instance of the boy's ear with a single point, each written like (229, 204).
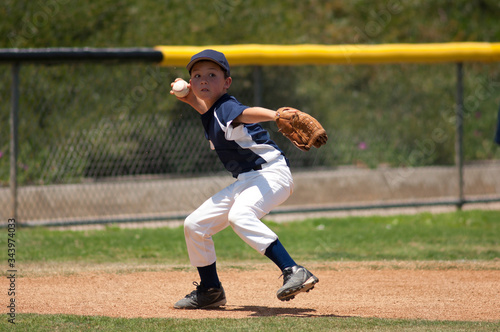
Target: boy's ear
(227, 83)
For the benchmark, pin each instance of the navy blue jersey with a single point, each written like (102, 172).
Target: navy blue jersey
(243, 147)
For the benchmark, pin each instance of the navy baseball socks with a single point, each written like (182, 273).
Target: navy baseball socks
(208, 276)
(278, 254)
(296, 278)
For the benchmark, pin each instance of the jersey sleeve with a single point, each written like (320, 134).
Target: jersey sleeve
(226, 114)
(229, 111)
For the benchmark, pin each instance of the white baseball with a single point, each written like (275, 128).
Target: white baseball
(180, 88)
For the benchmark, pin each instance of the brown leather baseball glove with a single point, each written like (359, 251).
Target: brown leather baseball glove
(301, 128)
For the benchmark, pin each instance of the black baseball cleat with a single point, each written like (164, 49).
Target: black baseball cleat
(202, 298)
(296, 279)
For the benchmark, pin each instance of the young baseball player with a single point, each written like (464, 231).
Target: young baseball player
(263, 181)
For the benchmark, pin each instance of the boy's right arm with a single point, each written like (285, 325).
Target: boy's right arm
(195, 102)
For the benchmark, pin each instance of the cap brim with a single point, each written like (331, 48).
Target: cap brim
(193, 62)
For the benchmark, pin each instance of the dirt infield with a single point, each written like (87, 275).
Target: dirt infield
(466, 291)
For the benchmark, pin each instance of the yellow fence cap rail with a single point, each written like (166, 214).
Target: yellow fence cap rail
(303, 54)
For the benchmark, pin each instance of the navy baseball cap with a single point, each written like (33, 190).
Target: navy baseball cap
(210, 55)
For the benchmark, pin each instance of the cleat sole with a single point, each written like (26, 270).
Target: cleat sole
(305, 287)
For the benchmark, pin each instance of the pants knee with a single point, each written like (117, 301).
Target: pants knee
(190, 226)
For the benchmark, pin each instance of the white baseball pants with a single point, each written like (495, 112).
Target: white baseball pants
(241, 205)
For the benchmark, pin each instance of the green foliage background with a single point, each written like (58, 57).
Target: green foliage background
(404, 113)
(129, 23)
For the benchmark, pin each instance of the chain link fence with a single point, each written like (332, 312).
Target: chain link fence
(102, 143)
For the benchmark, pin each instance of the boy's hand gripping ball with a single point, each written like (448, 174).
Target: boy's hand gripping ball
(180, 88)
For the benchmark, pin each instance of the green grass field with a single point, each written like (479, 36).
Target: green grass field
(31, 322)
(467, 235)
(459, 236)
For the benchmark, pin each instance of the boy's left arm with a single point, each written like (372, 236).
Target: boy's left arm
(301, 128)
(255, 115)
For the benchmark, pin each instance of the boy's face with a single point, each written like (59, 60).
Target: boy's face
(208, 82)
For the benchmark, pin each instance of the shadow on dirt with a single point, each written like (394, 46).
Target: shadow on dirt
(263, 311)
